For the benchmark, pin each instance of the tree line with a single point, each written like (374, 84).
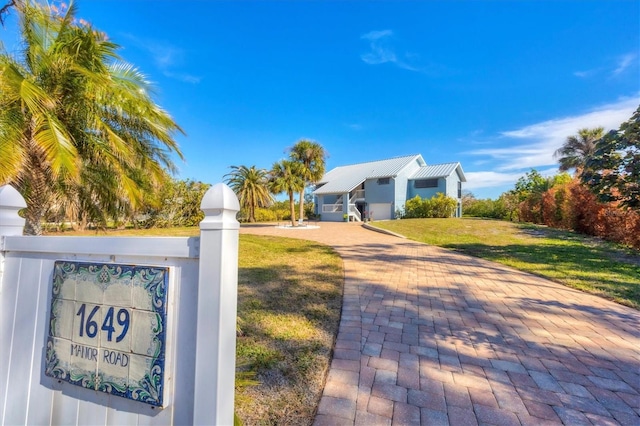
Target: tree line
(601, 198)
(256, 187)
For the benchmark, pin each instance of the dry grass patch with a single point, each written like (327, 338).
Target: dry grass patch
(289, 298)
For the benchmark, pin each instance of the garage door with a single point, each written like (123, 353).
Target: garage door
(380, 211)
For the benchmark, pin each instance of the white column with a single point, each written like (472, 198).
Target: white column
(345, 205)
(217, 308)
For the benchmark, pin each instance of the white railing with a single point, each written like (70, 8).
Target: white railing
(358, 194)
(353, 211)
(331, 208)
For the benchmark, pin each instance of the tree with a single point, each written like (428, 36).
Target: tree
(286, 176)
(577, 149)
(613, 172)
(311, 155)
(251, 185)
(178, 205)
(78, 127)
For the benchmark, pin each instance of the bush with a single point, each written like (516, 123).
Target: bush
(439, 206)
(572, 206)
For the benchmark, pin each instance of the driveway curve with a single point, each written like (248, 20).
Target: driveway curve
(429, 336)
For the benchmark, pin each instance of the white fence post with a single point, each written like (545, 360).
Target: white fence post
(217, 308)
(10, 202)
(10, 222)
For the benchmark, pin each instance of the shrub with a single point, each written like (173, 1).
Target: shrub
(438, 206)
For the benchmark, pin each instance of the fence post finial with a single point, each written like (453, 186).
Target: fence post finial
(10, 202)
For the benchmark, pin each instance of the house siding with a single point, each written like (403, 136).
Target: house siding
(412, 191)
(376, 193)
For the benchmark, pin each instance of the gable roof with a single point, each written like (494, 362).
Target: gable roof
(438, 171)
(343, 179)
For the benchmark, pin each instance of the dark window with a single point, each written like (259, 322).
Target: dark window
(426, 183)
(383, 181)
(459, 189)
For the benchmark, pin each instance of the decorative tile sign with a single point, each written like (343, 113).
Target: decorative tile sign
(107, 328)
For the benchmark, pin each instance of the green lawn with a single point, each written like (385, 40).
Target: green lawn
(577, 261)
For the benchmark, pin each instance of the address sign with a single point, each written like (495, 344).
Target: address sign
(107, 328)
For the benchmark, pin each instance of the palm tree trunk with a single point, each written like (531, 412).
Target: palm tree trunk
(252, 213)
(33, 184)
(301, 216)
(292, 206)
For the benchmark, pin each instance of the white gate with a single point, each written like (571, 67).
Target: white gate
(189, 373)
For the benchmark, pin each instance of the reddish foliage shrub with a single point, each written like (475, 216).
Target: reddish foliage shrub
(572, 206)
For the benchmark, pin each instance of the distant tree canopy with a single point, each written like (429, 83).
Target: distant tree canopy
(251, 185)
(311, 156)
(613, 171)
(578, 149)
(287, 176)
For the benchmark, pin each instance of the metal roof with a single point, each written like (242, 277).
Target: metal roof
(346, 178)
(438, 171)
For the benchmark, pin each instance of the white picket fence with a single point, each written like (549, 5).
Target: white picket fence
(199, 365)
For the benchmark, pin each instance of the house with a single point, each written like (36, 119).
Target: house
(377, 189)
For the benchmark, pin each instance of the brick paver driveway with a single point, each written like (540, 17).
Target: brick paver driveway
(428, 336)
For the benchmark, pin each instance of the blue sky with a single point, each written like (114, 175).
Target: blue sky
(495, 85)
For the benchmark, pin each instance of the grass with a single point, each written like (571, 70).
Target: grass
(289, 299)
(578, 261)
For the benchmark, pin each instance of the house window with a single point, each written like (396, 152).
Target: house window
(383, 181)
(459, 189)
(426, 183)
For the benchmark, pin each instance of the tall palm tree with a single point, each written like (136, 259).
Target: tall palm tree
(286, 176)
(77, 125)
(311, 155)
(577, 149)
(251, 185)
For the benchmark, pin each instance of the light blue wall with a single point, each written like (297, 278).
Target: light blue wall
(412, 191)
(403, 184)
(375, 193)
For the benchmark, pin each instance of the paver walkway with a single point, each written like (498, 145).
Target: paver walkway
(429, 336)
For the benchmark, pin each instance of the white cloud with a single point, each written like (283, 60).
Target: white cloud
(375, 35)
(624, 62)
(187, 78)
(382, 52)
(487, 179)
(585, 74)
(534, 145)
(166, 57)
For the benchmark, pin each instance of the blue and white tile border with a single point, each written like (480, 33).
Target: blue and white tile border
(76, 282)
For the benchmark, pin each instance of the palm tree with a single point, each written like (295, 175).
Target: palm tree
(77, 126)
(577, 149)
(251, 185)
(311, 155)
(286, 176)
